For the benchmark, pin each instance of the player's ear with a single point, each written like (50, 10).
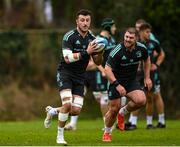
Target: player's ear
(76, 21)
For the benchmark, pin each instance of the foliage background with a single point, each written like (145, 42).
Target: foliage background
(30, 50)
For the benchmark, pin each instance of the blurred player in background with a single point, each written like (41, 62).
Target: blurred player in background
(101, 83)
(157, 59)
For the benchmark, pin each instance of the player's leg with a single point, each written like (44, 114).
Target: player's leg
(65, 84)
(150, 98)
(104, 105)
(104, 102)
(50, 112)
(136, 97)
(103, 87)
(99, 86)
(78, 99)
(110, 118)
(160, 109)
(66, 98)
(75, 111)
(159, 102)
(132, 123)
(72, 124)
(123, 101)
(111, 115)
(137, 100)
(149, 110)
(102, 99)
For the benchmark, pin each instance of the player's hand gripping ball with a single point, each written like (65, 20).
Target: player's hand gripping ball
(99, 50)
(101, 44)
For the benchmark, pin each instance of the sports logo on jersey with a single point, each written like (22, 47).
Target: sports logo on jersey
(110, 93)
(151, 46)
(77, 42)
(138, 54)
(123, 57)
(131, 60)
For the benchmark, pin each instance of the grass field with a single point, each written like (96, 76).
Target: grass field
(88, 133)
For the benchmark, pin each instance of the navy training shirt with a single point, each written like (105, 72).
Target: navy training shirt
(73, 41)
(124, 63)
(152, 46)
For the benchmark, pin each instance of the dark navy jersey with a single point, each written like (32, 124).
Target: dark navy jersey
(152, 46)
(111, 44)
(152, 37)
(124, 63)
(73, 41)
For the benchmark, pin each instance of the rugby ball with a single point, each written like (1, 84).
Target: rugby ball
(101, 44)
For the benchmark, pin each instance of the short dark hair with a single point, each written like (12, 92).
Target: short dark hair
(107, 23)
(84, 12)
(145, 26)
(140, 21)
(132, 30)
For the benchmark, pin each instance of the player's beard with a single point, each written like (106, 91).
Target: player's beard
(83, 29)
(129, 45)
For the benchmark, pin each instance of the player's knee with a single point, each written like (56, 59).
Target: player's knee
(66, 98)
(66, 107)
(78, 101)
(75, 111)
(149, 100)
(141, 102)
(114, 111)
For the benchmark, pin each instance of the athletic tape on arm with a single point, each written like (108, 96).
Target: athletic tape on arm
(72, 57)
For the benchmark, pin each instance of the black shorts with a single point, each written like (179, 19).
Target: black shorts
(101, 82)
(95, 81)
(140, 78)
(131, 86)
(90, 80)
(66, 80)
(154, 75)
(155, 81)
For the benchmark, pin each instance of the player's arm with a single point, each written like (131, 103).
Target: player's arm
(159, 54)
(112, 79)
(98, 58)
(67, 50)
(91, 65)
(70, 57)
(109, 74)
(160, 58)
(102, 70)
(110, 65)
(147, 66)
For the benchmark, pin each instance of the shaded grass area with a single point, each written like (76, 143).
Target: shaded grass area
(88, 133)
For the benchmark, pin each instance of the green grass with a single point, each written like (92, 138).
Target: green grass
(89, 133)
